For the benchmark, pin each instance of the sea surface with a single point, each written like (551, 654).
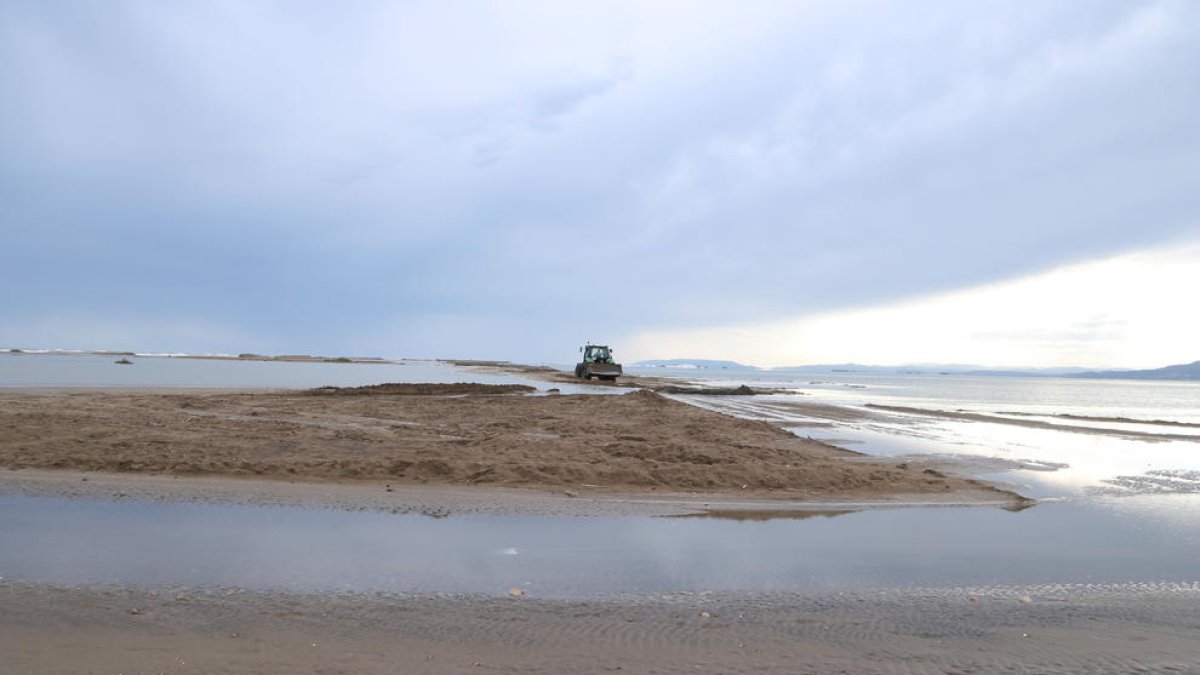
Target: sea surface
(1111, 508)
(101, 371)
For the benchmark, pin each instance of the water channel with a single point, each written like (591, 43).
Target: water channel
(131, 543)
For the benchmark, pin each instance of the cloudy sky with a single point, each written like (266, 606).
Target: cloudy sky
(1003, 183)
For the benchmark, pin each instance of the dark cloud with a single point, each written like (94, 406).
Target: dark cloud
(421, 180)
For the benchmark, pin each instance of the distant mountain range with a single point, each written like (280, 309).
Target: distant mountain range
(1188, 371)
(928, 369)
(693, 363)
(1183, 371)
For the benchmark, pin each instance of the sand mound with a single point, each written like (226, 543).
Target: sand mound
(637, 441)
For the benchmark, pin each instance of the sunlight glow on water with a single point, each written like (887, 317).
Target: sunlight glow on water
(1079, 463)
(1136, 399)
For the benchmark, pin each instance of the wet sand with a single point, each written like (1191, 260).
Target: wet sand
(1038, 424)
(1112, 420)
(451, 500)
(438, 435)
(1053, 629)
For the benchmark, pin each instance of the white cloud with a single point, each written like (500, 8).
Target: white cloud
(1133, 310)
(632, 166)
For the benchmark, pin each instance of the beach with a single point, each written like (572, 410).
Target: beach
(502, 526)
(764, 338)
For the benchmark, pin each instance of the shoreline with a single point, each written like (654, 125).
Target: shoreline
(449, 500)
(1110, 628)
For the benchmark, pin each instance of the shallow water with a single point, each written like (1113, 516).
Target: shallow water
(1138, 399)
(89, 370)
(145, 544)
(1071, 460)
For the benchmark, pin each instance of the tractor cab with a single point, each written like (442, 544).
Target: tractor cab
(597, 354)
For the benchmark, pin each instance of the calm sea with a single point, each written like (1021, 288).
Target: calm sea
(88, 370)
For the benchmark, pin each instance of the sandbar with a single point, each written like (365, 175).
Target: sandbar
(463, 436)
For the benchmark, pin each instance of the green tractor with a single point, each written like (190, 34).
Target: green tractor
(597, 362)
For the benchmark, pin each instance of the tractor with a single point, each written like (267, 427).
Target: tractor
(597, 362)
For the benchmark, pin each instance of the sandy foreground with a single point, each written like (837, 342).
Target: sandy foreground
(1059, 629)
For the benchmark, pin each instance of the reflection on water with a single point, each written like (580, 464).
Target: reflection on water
(1037, 462)
(1133, 399)
(156, 544)
(1152, 444)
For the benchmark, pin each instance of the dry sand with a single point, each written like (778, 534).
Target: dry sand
(454, 435)
(1056, 629)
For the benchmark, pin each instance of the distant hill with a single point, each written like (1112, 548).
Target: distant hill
(1030, 372)
(1184, 371)
(692, 363)
(851, 368)
(909, 369)
(932, 369)
(824, 368)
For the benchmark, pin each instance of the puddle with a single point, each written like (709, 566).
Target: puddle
(150, 544)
